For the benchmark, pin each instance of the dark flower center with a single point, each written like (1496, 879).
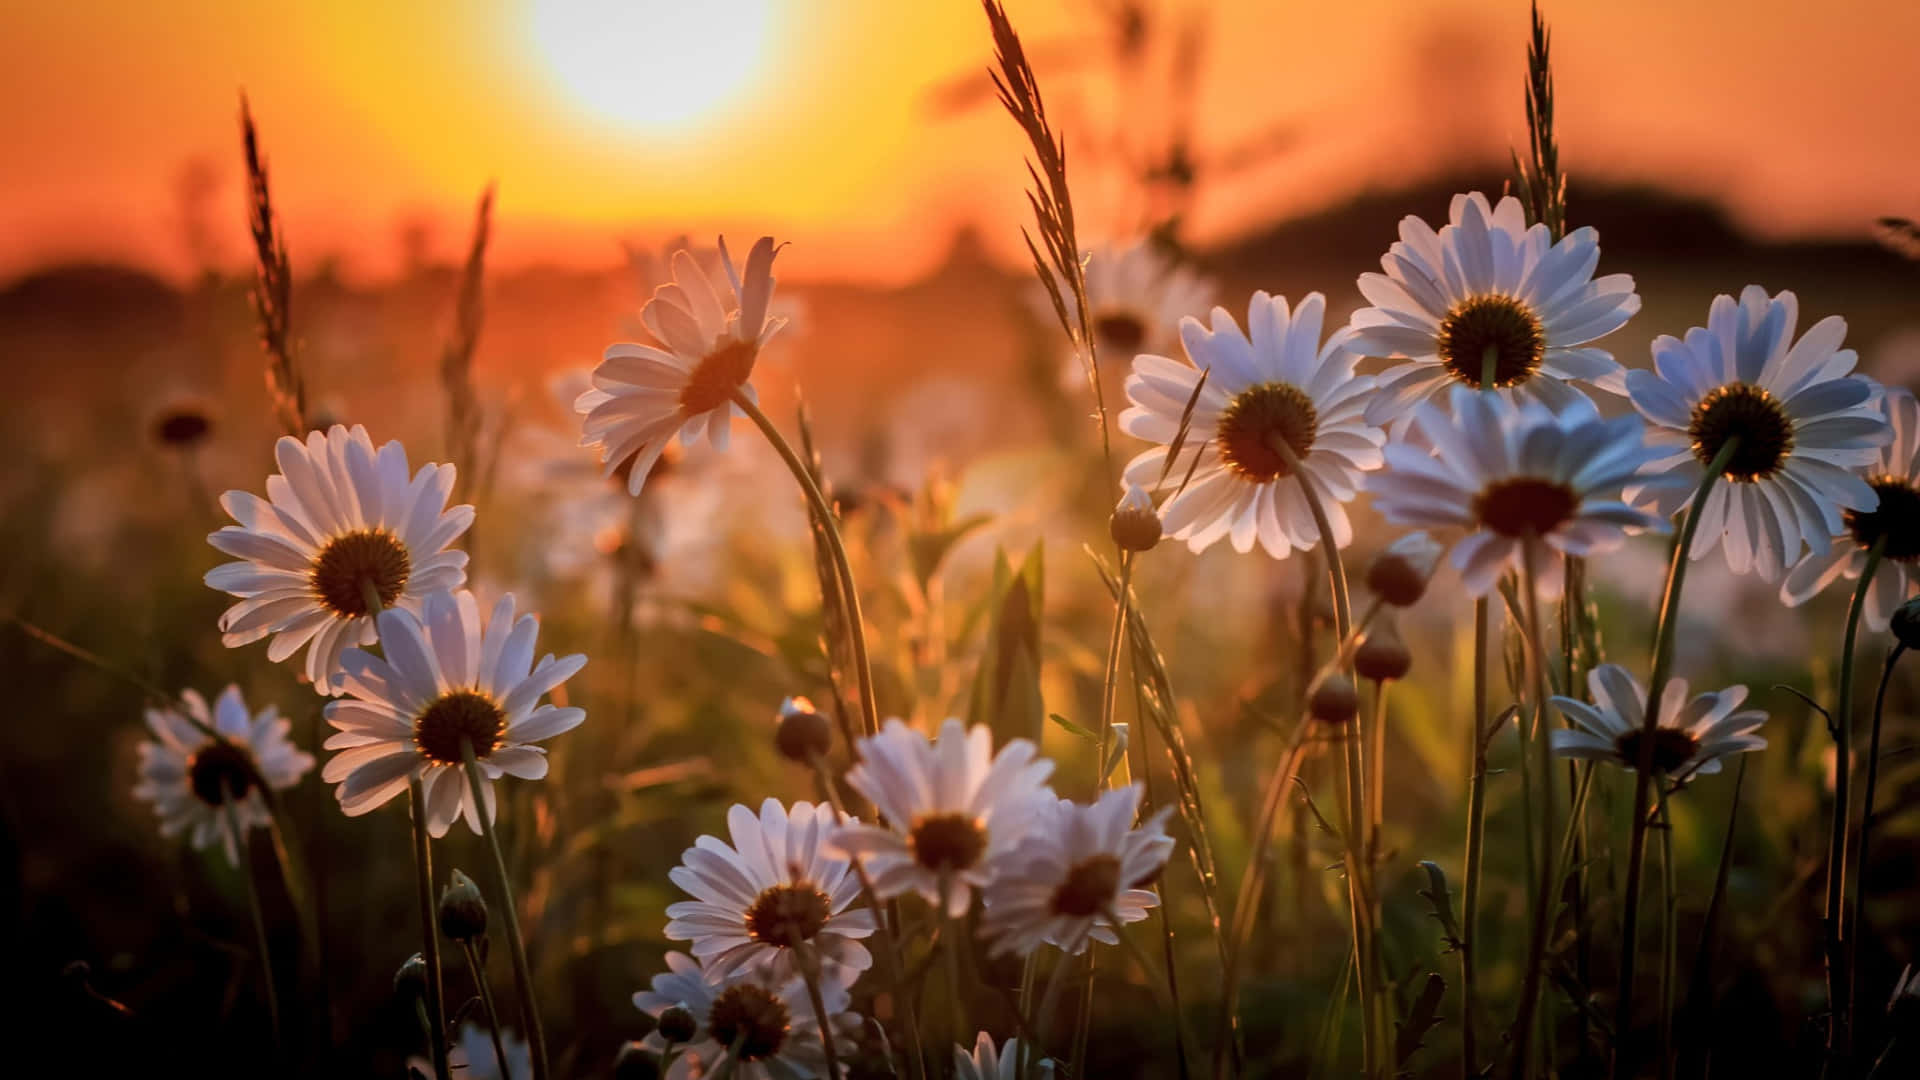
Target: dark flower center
(454, 719)
(220, 771)
(1089, 888)
(1257, 421)
(1525, 506)
(1121, 330)
(1751, 413)
(947, 841)
(1495, 325)
(750, 1021)
(352, 561)
(1672, 748)
(183, 427)
(718, 375)
(1895, 524)
(786, 915)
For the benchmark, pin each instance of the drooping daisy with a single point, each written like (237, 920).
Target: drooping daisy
(1078, 868)
(777, 888)
(768, 1024)
(1273, 399)
(1692, 735)
(1517, 477)
(191, 777)
(1484, 293)
(472, 1056)
(987, 1062)
(1136, 295)
(1805, 428)
(951, 806)
(447, 680)
(1894, 524)
(341, 527)
(644, 394)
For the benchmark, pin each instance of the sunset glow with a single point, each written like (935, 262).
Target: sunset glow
(655, 66)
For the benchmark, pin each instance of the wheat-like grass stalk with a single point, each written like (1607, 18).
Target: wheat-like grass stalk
(456, 360)
(1543, 186)
(272, 286)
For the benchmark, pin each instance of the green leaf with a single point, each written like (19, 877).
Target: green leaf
(927, 550)
(1073, 728)
(1421, 1018)
(1006, 692)
(1441, 899)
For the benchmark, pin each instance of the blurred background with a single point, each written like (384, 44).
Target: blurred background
(1266, 145)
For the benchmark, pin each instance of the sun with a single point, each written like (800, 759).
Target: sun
(653, 66)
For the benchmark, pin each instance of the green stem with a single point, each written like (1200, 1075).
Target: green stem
(486, 1004)
(1109, 681)
(1150, 803)
(1475, 854)
(843, 568)
(1049, 1002)
(1840, 931)
(1342, 605)
(522, 973)
(952, 936)
(1679, 557)
(1866, 821)
(1376, 815)
(430, 936)
(1359, 901)
(810, 971)
(1668, 943)
(1547, 886)
(244, 849)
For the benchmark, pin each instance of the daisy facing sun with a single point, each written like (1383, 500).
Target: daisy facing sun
(192, 778)
(1894, 524)
(1277, 402)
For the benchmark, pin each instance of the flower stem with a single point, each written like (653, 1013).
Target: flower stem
(1840, 930)
(1108, 684)
(1548, 885)
(810, 971)
(429, 931)
(1866, 821)
(1680, 555)
(244, 849)
(1476, 832)
(479, 971)
(522, 974)
(817, 502)
(1669, 945)
(1359, 901)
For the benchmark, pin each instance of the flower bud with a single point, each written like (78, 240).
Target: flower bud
(1334, 700)
(1134, 524)
(636, 1062)
(1399, 575)
(678, 1024)
(804, 733)
(1906, 623)
(411, 980)
(463, 911)
(1382, 655)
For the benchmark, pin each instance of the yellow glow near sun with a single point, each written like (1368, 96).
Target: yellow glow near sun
(654, 66)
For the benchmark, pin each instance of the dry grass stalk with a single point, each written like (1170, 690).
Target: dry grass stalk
(456, 362)
(272, 286)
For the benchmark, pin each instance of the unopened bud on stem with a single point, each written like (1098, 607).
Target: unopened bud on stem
(1134, 524)
(1399, 575)
(804, 733)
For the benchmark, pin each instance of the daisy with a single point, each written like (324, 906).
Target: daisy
(769, 1023)
(1894, 524)
(1273, 400)
(951, 806)
(1136, 296)
(1692, 736)
(776, 889)
(708, 343)
(1078, 868)
(1522, 479)
(988, 1063)
(1487, 288)
(447, 680)
(1805, 429)
(191, 777)
(341, 526)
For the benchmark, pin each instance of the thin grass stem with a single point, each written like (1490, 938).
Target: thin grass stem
(1548, 884)
(479, 971)
(1839, 930)
(522, 972)
(1475, 853)
(244, 848)
(429, 930)
(1867, 794)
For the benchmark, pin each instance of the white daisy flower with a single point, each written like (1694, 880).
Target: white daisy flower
(1282, 385)
(1805, 428)
(339, 522)
(447, 680)
(472, 1056)
(951, 805)
(770, 1023)
(1077, 869)
(644, 394)
(1692, 736)
(190, 777)
(1894, 524)
(1136, 295)
(777, 888)
(1516, 477)
(1487, 287)
(988, 1063)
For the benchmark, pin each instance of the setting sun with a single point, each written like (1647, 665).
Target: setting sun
(655, 66)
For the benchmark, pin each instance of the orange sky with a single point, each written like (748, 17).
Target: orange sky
(377, 111)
